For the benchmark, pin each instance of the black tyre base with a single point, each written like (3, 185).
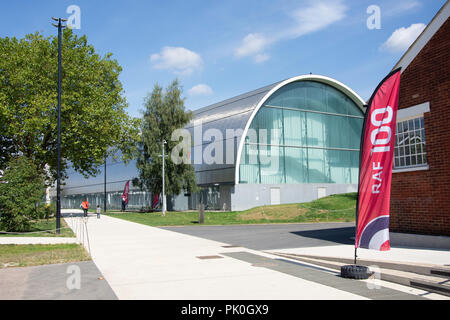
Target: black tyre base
(355, 272)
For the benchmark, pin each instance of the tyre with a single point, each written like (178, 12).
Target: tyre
(355, 272)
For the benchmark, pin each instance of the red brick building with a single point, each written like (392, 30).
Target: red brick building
(420, 199)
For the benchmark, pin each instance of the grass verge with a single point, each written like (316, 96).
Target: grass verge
(43, 228)
(40, 254)
(335, 208)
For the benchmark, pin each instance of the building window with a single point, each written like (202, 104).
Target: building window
(410, 143)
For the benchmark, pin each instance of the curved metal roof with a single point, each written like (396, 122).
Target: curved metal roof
(237, 114)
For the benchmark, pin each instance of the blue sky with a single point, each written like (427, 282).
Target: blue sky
(219, 49)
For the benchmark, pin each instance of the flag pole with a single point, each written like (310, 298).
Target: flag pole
(359, 174)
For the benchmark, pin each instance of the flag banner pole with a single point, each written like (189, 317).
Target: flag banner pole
(375, 173)
(359, 172)
(376, 163)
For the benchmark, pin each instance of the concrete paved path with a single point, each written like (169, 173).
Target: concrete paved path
(142, 262)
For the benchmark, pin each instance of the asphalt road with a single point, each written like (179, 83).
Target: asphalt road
(275, 236)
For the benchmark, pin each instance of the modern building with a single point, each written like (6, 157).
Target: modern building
(293, 141)
(421, 177)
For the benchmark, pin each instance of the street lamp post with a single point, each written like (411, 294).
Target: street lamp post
(163, 179)
(104, 187)
(58, 165)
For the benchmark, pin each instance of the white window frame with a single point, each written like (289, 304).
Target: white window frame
(410, 113)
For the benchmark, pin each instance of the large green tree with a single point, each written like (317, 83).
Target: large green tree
(94, 119)
(21, 193)
(164, 113)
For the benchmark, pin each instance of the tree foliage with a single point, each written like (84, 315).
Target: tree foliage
(93, 116)
(164, 112)
(22, 191)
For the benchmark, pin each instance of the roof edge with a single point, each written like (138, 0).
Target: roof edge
(430, 30)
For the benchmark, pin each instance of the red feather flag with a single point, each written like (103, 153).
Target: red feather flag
(376, 163)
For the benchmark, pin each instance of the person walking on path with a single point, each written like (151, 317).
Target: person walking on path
(99, 210)
(85, 207)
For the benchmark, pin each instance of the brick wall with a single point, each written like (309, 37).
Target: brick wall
(420, 200)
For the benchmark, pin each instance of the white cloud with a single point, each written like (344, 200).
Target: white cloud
(314, 17)
(402, 38)
(177, 59)
(252, 44)
(261, 57)
(200, 90)
(318, 16)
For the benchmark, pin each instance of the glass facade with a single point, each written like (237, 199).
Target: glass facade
(136, 201)
(306, 132)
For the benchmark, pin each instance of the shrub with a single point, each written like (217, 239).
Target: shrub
(22, 190)
(46, 211)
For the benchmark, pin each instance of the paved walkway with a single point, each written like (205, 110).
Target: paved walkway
(142, 262)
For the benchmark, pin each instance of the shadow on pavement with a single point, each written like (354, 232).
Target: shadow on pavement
(337, 235)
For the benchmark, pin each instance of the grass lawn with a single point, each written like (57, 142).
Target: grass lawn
(35, 255)
(335, 208)
(43, 225)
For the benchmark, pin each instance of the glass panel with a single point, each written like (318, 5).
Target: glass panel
(295, 96)
(405, 126)
(290, 96)
(249, 167)
(336, 102)
(294, 128)
(419, 148)
(315, 97)
(296, 165)
(337, 131)
(270, 126)
(315, 130)
(339, 164)
(316, 166)
(355, 126)
(272, 165)
(416, 123)
(354, 166)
